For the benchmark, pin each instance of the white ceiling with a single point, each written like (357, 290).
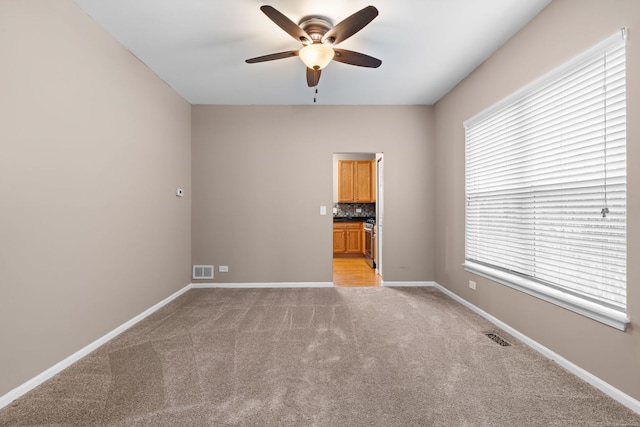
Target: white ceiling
(199, 46)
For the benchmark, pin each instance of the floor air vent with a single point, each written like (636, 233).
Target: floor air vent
(203, 271)
(497, 338)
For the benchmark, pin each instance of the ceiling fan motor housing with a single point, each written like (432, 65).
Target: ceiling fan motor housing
(316, 27)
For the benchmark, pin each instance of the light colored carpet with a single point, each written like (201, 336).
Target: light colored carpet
(315, 357)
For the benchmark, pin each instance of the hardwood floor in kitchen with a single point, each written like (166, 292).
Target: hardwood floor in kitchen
(354, 271)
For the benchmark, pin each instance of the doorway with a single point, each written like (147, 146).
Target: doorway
(357, 212)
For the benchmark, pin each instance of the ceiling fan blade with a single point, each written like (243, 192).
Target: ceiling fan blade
(355, 58)
(271, 57)
(313, 77)
(286, 24)
(351, 25)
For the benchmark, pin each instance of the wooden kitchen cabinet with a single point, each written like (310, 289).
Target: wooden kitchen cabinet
(354, 240)
(339, 240)
(346, 173)
(356, 181)
(347, 237)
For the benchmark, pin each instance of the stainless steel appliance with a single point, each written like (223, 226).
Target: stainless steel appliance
(369, 242)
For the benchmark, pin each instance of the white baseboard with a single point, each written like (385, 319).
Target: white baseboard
(405, 284)
(603, 386)
(263, 285)
(58, 367)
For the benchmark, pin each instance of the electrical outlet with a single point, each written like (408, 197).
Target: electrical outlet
(223, 268)
(472, 285)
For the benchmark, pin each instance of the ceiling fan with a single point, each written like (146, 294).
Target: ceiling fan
(318, 36)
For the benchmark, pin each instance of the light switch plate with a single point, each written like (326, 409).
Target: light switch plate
(323, 210)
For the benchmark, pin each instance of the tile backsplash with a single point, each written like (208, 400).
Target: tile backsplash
(349, 209)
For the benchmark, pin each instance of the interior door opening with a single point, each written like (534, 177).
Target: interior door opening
(357, 216)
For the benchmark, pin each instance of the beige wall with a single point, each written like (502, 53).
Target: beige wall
(561, 31)
(92, 148)
(261, 173)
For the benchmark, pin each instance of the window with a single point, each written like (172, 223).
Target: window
(546, 187)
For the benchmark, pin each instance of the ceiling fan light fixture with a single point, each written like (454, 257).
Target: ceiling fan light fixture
(316, 56)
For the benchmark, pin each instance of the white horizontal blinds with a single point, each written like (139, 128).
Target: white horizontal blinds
(546, 179)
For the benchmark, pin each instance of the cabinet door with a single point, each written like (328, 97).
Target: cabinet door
(374, 175)
(346, 172)
(353, 241)
(363, 181)
(339, 241)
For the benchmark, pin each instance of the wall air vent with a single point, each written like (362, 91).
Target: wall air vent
(203, 271)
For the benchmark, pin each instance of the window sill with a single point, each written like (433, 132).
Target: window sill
(608, 316)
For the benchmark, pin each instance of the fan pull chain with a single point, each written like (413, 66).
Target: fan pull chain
(315, 95)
